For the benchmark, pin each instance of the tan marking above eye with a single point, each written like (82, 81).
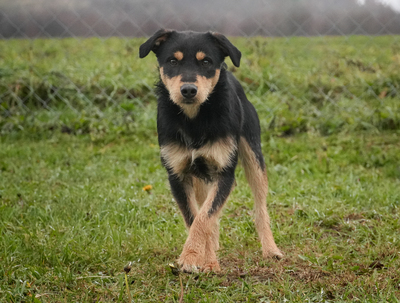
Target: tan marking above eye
(178, 55)
(200, 56)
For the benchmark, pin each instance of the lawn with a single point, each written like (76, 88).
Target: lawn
(76, 208)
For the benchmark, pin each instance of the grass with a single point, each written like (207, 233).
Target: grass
(73, 212)
(323, 84)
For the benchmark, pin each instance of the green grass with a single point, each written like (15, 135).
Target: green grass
(73, 214)
(73, 211)
(323, 84)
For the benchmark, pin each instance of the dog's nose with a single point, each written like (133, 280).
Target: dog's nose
(189, 91)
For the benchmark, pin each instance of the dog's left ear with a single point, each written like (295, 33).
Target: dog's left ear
(154, 42)
(228, 48)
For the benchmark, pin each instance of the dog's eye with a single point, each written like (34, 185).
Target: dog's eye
(205, 62)
(173, 62)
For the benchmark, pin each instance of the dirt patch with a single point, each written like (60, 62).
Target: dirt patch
(354, 217)
(234, 269)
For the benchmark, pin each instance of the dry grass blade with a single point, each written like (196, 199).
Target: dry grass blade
(127, 269)
(181, 295)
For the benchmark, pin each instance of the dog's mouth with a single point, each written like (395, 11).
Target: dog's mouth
(188, 101)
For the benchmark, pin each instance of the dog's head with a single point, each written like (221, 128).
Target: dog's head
(190, 64)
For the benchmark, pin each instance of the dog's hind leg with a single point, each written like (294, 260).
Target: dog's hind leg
(254, 168)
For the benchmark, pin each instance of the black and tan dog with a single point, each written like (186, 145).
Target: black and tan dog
(205, 123)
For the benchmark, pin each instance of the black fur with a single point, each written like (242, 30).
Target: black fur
(225, 113)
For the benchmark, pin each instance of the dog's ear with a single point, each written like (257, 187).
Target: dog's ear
(228, 48)
(154, 42)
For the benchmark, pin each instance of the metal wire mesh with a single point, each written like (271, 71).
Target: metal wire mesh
(49, 73)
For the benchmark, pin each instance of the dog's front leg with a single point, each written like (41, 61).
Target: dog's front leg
(199, 251)
(182, 189)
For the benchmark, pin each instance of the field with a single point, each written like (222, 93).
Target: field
(78, 149)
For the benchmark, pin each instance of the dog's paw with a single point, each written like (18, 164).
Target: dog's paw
(189, 269)
(211, 267)
(190, 261)
(275, 254)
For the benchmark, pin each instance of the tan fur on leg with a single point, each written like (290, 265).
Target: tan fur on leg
(258, 182)
(191, 194)
(215, 234)
(210, 258)
(200, 246)
(212, 245)
(201, 190)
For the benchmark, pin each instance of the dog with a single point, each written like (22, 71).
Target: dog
(205, 124)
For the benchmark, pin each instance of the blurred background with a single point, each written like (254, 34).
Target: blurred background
(307, 65)
(105, 18)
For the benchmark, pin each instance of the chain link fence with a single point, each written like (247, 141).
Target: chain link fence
(303, 61)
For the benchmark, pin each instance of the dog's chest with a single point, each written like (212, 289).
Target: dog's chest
(204, 162)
